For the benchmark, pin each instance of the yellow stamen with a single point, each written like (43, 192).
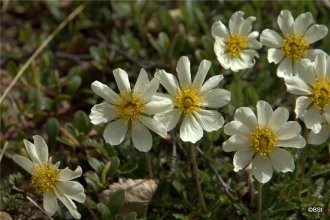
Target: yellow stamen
(44, 177)
(295, 46)
(235, 44)
(321, 93)
(129, 106)
(263, 139)
(188, 99)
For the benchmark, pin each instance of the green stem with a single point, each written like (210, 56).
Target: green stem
(259, 213)
(197, 182)
(151, 176)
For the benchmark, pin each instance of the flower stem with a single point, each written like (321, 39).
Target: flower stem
(259, 201)
(151, 176)
(197, 182)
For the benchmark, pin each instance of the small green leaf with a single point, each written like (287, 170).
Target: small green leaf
(82, 122)
(73, 85)
(104, 210)
(114, 166)
(11, 68)
(117, 200)
(90, 203)
(95, 164)
(237, 98)
(131, 216)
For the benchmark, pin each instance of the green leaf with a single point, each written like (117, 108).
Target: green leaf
(177, 45)
(131, 216)
(104, 210)
(82, 122)
(90, 203)
(114, 166)
(11, 68)
(95, 164)
(34, 97)
(237, 98)
(72, 85)
(117, 200)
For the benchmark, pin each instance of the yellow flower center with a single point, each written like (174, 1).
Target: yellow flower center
(263, 139)
(321, 93)
(129, 106)
(235, 44)
(44, 177)
(295, 46)
(188, 99)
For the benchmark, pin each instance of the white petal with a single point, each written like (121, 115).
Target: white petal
(104, 91)
(154, 125)
(247, 57)
(282, 160)
(313, 119)
(41, 148)
(295, 142)
(150, 90)
(319, 138)
(275, 55)
(253, 43)
(115, 132)
(285, 68)
(327, 114)
(209, 120)
(271, 39)
(235, 142)
(297, 86)
(218, 29)
(217, 98)
(190, 130)
(236, 127)
(68, 203)
(303, 22)
(321, 65)
(307, 72)
(24, 162)
(220, 48)
(235, 22)
(246, 26)
(289, 130)
(262, 169)
(141, 137)
(183, 70)
(315, 33)
(169, 119)
(142, 81)
(247, 117)
(122, 80)
(211, 83)
(50, 203)
(68, 174)
(31, 149)
(158, 105)
(242, 158)
(302, 104)
(285, 22)
(102, 113)
(279, 117)
(168, 81)
(203, 68)
(264, 112)
(72, 189)
(312, 53)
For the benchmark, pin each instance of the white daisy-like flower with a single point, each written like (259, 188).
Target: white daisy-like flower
(324, 134)
(313, 86)
(50, 181)
(259, 140)
(294, 45)
(236, 48)
(190, 100)
(131, 108)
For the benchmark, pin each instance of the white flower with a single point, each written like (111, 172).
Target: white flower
(323, 135)
(291, 48)
(236, 48)
(131, 108)
(313, 86)
(259, 139)
(49, 180)
(190, 100)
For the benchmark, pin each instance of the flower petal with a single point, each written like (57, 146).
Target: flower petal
(203, 68)
(183, 70)
(104, 91)
(142, 81)
(253, 43)
(313, 119)
(303, 22)
(275, 55)
(297, 86)
(68, 203)
(219, 30)
(296, 142)
(149, 90)
(235, 142)
(271, 39)
(235, 22)
(31, 149)
(236, 127)
(169, 119)
(315, 33)
(24, 162)
(158, 104)
(262, 169)
(242, 158)
(122, 80)
(68, 174)
(302, 103)
(209, 120)
(279, 117)
(319, 138)
(264, 112)
(102, 113)
(190, 130)
(211, 83)
(282, 160)
(115, 132)
(246, 26)
(321, 65)
(154, 125)
(288, 130)
(50, 203)
(168, 81)
(285, 68)
(73, 189)
(41, 148)
(285, 21)
(247, 117)
(141, 137)
(217, 98)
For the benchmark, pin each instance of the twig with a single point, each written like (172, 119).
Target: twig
(259, 212)
(74, 57)
(3, 150)
(151, 176)
(41, 48)
(174, 153)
